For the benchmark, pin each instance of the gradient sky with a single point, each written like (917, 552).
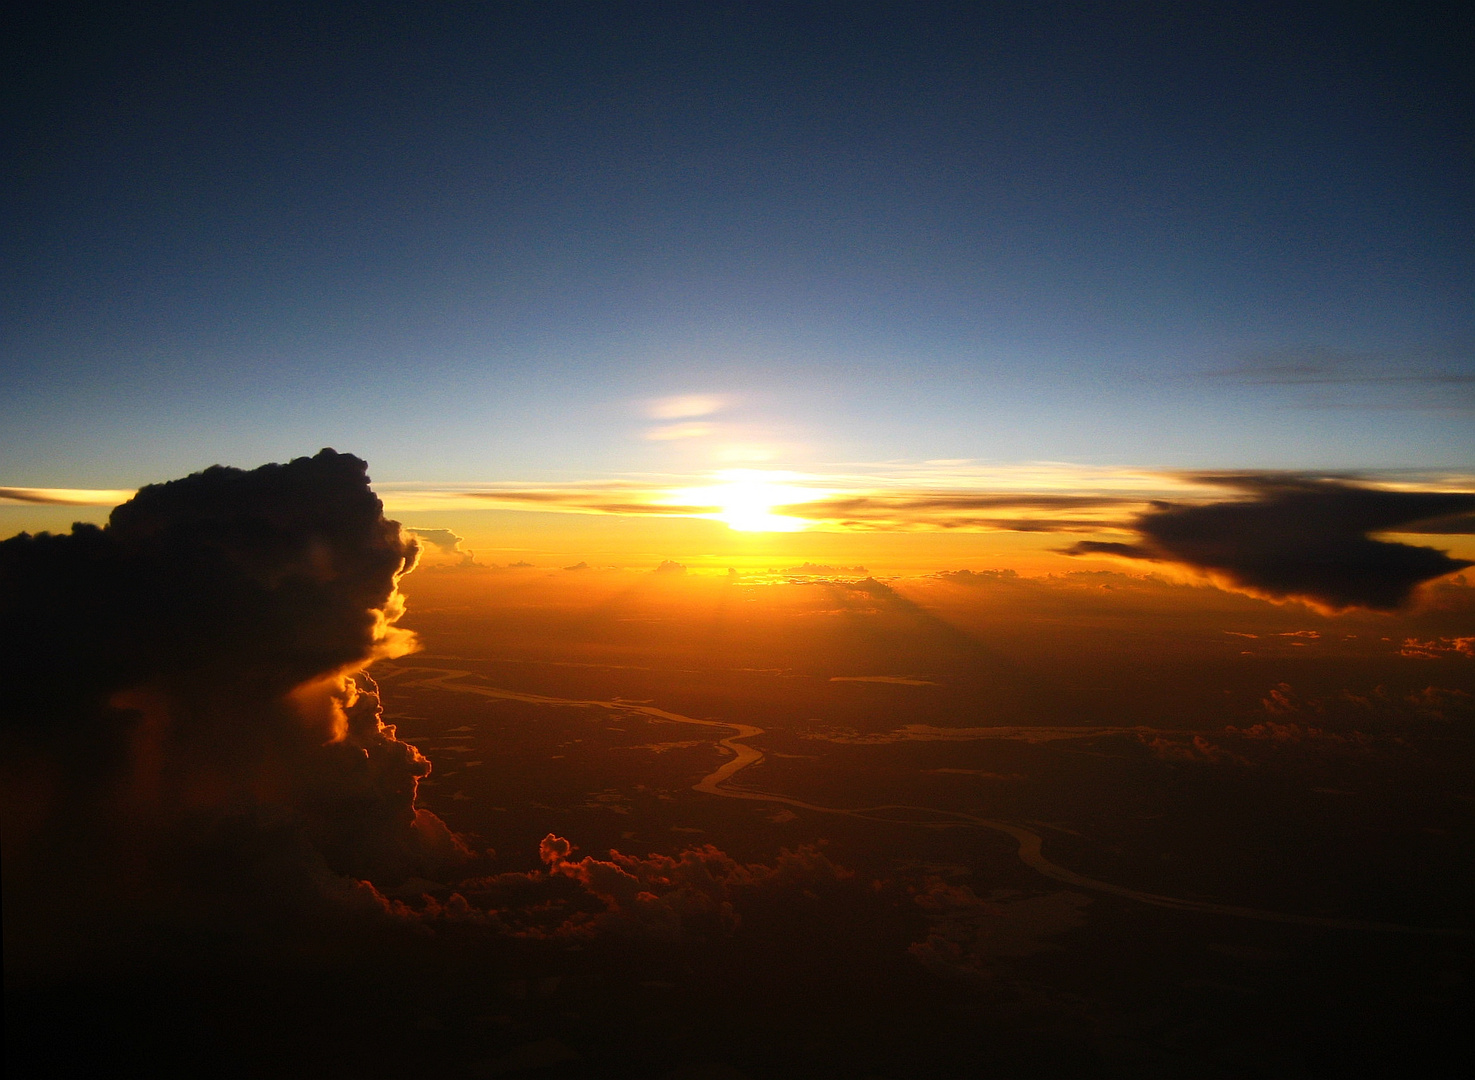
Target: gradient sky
(475, 242)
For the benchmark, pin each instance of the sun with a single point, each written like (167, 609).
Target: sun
(746, 499)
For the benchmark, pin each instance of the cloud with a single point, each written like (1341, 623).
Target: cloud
(670, 566)
(1300, 538)
(682, 406)
(692, 895)
(1435, 379)
(187, 741)
(64, 496)
(589, 499)
(895, 680)
(977, 577)
(929, 733)
(822, 570)
(1194, 749)
(673, 432)
(444, 540)
(1437, 647)
(448, 543)
(971, 510)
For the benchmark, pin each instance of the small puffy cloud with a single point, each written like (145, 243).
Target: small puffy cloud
(691, 895)
(444, 540)
(1434, 648)
(1195, 749)
(447, 542)
(824, 570)
(977, 577)
(670, 566)
(1300, 538)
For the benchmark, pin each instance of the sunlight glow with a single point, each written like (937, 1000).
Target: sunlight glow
(748, 498)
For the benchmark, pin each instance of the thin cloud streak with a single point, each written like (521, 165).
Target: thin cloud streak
(65, 496)
(1428, 380)
(1042, 498)
(948, 496)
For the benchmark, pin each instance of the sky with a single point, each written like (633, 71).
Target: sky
(980, 495)
(501, 245)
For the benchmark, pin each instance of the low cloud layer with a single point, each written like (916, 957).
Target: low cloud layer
(1307, 539)
(190, 740)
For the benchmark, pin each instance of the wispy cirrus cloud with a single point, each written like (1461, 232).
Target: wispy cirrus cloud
(951, 495)
(925, 497)
(682, 406)
(673, 432)
(965, 510)
(1441, 379)
(679, 417)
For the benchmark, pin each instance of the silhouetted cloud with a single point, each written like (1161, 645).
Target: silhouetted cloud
(677, 898)
(64, 496)
(448, 542)
(183, 722)
(1301, 538)
(444, 540)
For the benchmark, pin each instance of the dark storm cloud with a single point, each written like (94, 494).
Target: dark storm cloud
(272, 576)
(186, 741)
(1303, 538)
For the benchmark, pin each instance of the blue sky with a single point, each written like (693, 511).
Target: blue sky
(472, 245)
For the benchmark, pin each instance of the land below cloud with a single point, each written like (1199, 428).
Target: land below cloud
(1265, 811)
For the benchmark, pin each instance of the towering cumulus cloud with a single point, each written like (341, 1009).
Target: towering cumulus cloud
(1306, 539)
(190, 739)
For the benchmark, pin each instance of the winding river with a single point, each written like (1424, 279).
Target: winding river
(1031, 846)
